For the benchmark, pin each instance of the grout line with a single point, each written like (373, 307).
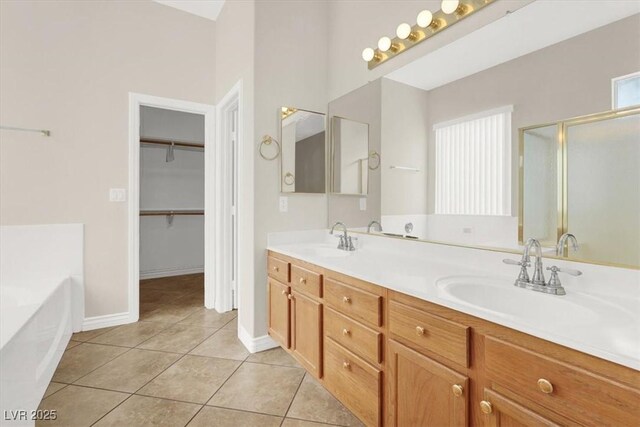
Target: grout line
(195, 415)
(245, 410)
(112, 409)
(293, 398)
(225, 381)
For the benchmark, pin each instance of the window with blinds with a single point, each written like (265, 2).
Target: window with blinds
(473, 164)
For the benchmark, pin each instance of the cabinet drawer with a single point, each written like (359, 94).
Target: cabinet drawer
(353, 302)
(354, 382)
(353, 335)
(570, 391)
(278, 269)
(306, 281)
(432, 333)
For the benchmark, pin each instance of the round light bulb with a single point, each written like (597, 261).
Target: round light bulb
(449, 6)
(403, 31)
(368, 54)
(384, 44)
(425, 18)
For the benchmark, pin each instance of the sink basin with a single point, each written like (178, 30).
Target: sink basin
(502, 298)
(324, 251)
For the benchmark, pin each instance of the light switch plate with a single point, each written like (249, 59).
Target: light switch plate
(117, 195)
(363, 203)
(284, 204)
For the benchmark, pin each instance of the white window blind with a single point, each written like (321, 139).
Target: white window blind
(473, 164)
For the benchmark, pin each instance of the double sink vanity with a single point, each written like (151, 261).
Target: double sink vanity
(408, 333)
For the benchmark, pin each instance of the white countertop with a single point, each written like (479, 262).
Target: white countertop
(600, 315)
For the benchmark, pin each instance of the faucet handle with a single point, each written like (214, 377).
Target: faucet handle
(514, 262)
(570, 271)
(342, 243)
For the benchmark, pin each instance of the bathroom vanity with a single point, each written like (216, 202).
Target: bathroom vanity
(392, 349)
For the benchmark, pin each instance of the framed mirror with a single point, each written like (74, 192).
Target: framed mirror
(303, 158)
(349, 156)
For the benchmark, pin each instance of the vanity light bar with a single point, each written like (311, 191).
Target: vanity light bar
(427, 25)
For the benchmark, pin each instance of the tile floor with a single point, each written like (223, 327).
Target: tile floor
(182, 364)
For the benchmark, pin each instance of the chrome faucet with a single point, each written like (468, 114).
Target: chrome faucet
(563, 240)
(346, 241)
(372, 223)
(537, 282)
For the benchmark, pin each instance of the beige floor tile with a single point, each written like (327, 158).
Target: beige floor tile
(72, 344)
(82, 359)
(232, 418)
(255, 387)
(130, 371)
(275, 356)
(290, 422)
(52, 388)
(132, 334)
(314, 403)
(80, 406)
(168, 313)
(192, 299)
(191, 379)
(224, 344)
(142, 411)
(87, 335)
(232, 325)
(146, 307)
(159, 296)
(210, 317)
(178, 338)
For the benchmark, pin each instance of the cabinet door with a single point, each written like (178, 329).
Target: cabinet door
(306, 332)
(279, 312)
(422, 392)
(502, 412)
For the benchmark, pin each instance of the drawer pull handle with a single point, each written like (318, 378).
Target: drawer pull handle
(345, 332)
(290, 296)
(346, 365)
(457, 390)
(276, 269)
(302, 280)
(419, 330)
(284, 292)
(346, 300)
(545, 386)
(486, 407)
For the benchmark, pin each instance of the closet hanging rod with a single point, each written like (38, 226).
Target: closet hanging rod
(44, 132)
(176, 212)
(167, 142)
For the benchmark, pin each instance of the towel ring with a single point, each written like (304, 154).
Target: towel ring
(289, 179)
(267, 140)
(374, 154)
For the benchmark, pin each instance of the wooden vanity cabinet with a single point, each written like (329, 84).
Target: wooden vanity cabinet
(500, 411)
(423, 392)
(306, 332)
(279, 313)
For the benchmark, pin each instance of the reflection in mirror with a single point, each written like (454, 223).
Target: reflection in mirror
(449, 143)
(349, 156)
(303, 156)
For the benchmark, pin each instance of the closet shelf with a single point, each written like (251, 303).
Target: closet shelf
(170, 212)
(169, 142)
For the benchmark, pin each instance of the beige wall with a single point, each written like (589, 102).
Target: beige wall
(290, 70)
(68, 67)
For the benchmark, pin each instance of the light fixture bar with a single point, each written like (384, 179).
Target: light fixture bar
(418, 34)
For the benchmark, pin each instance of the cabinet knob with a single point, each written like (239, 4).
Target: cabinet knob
(276, 269)
(302, 280)
(486, 407)
(545, 386)
(346, 365)
(419, 330)
(290, 296)
(284, 292)
(457, 390)
(345, 332)
(346, 300)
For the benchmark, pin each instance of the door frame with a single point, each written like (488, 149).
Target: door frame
(137, 100)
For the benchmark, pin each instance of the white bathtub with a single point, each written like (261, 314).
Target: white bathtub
(41, 304)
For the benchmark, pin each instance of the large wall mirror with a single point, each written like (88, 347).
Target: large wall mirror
(303, 158)
(449, 143)
(349, 156)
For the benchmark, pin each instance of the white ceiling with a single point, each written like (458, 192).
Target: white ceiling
(209, 9)
(530, 28)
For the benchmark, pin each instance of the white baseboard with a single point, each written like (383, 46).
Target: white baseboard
(156, 274)
(105, 321)
(254, 345)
